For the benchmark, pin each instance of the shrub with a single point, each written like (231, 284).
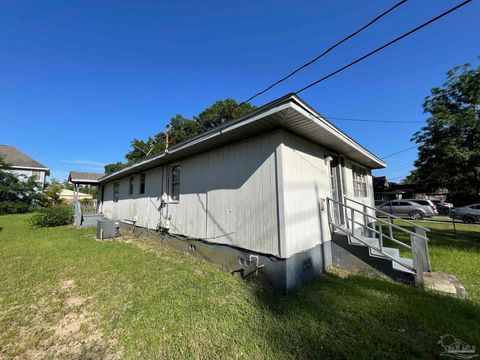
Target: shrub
(55, 215)
(13, 207)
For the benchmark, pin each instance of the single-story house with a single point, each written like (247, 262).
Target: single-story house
(69, 195)
(21, 164)
(261, 194)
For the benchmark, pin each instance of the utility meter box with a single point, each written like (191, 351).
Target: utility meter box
(107, 229)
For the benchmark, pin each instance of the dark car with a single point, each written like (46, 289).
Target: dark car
(442, 206)
(469, 214)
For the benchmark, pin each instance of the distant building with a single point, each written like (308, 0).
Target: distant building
(20, 163)
(69, 195)
(385, 191)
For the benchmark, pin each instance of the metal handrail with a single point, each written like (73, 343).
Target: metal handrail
(391, 238)
(379, 220)
(388, 214)
(376, 249)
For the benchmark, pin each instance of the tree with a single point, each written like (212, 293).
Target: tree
(182, 129)
(17, 193)
(221, 112)
(51, 193)
(110, 168)
(449, 145)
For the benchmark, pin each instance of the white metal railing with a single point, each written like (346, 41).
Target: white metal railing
(371, 224)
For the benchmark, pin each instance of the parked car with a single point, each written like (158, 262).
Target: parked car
(469, 214)
(442, 206)
(424, 202)
(412, 209)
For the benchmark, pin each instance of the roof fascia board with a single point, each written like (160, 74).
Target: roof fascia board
(26, 167)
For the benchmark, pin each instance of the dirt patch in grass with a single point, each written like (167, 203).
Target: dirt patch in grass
(73, 334)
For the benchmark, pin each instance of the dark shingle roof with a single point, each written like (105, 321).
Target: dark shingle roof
(14, 157)
(84, 177)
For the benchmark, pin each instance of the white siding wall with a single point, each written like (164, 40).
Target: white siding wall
(305, 183)
(28, 173)
(143, 206)
(227, 196)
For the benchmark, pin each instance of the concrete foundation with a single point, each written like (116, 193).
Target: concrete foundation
(284, 274)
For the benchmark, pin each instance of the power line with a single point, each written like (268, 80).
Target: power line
(399, 169)
(399, 152)
(377, 121)
(326, 51)
(384, 46)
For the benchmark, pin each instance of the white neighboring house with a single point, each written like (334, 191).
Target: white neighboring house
(20, 163)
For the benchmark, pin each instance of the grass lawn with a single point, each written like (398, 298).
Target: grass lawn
(65, 295)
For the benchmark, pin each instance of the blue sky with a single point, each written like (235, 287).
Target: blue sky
(80, 79)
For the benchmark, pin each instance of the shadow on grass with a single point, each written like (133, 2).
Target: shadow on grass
(362, 317)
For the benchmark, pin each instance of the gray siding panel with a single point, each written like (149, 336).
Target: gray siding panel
(227, 196)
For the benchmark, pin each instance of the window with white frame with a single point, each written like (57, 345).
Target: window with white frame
(359, 181)
(175, 193)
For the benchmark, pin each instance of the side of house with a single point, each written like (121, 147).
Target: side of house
(254, 190)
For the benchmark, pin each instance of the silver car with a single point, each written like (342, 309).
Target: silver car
(410, 208)
(469, 214)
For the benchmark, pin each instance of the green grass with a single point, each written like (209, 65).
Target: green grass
(457, 253)
(148, 301)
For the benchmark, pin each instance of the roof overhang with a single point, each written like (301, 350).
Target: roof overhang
(84, 178)
(289, 112)
(18, 167)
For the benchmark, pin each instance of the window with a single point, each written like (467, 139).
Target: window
(116, 188)
(130, 185)
(175, 183)
(422, 202)
(36, 175)
(359, 181)
(404, 203)
(142, 183)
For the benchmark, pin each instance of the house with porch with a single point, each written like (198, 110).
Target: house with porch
(279, 193)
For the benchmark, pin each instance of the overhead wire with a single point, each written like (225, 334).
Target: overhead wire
(325, 52)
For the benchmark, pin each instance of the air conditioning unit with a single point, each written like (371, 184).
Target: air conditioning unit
(107, 229)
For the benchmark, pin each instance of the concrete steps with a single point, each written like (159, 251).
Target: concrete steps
(361, 247)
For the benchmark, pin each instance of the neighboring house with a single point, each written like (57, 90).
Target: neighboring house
(255, 194)
(21, 164)
(69, 195)
(385, 191)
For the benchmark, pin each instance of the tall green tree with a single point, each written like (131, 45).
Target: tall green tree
(182, 129)
(449, 145)
(221, 112)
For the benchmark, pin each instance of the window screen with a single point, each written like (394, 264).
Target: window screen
(130, 185)
(116, 188)
(142, 183)
(175, 183)
(359, 181)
